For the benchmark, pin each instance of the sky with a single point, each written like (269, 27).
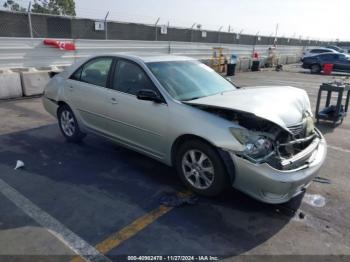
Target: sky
(314, 19)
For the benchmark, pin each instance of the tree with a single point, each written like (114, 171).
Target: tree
(13, 6)
(54, 7)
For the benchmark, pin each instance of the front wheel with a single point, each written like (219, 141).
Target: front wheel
(201, 168)
(69, 125)
(315, 69)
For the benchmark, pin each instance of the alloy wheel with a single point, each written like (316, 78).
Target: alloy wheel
(67, 123)
(198, 169)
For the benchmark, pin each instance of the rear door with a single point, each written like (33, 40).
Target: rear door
(88, 94)
(342, 63)
(138, 123)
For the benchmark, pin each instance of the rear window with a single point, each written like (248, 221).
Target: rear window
(329, 57)
(318, 51)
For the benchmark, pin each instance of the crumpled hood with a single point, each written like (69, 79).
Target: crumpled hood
(285, 105)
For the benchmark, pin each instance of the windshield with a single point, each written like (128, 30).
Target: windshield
(188, 80)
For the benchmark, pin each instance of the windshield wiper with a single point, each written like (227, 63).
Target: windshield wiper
(228, 91)
(193, 98)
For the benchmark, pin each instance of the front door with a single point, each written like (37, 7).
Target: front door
(138, 123)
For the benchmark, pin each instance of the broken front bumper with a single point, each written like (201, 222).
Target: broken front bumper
(275, 186)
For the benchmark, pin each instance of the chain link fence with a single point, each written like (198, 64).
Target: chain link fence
(15, 24)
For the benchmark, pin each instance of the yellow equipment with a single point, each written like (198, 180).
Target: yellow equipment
(219, 60)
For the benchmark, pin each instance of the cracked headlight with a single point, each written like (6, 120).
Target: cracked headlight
(256, 147)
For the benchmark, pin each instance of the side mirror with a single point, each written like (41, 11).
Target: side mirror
(148, 95)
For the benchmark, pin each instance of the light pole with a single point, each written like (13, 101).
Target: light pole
(219, 34)
(192, 31)
(255, 40)
(239, 36)
(106, 29)
(155, 28)
(276, 31)
(30, 19)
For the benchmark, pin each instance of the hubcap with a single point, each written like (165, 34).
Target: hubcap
(67, 123)
(198, 169)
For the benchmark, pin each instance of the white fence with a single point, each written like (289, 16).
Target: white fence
(27, 52)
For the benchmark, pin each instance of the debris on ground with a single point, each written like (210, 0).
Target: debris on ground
(279, 68)
(176, 200)
(19, 164)
(314, 200)
(301, 215)
(322, 180)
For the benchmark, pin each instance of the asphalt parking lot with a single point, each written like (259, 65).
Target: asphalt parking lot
(99, 198)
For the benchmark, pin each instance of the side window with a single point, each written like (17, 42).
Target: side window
(130, 78)
(96, 71)
(343, 57)
(326, 57)
(77, 74)
(336, 57)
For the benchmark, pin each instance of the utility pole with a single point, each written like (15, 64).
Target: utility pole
(155, 28)
(30, 19)
(106, 29)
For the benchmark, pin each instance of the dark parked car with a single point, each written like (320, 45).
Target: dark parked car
(341, 62)
(336, 48)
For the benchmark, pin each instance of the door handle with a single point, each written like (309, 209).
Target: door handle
(114, 100)
(70, 88)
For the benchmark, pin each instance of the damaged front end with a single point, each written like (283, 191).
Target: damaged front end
(266, 142)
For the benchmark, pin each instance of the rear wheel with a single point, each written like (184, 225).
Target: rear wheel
(315, 69)
(69, 125)
(201, 168)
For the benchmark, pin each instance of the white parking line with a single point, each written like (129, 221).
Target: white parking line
(339, 148)
(74, 242)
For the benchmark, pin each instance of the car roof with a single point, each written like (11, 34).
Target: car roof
(328, 53)
(332, 46)
(152, 57)
(331, 53)
(322, 48)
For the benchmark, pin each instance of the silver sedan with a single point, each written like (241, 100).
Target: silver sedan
(177, 110)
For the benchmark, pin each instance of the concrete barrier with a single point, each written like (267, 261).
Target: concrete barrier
(293, 59)
(10, 85)
(263, 61)
(282, 60)
(33, 83)
(244, 65)
(238, 66)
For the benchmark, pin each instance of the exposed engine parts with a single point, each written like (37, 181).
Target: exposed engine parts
(275, 145)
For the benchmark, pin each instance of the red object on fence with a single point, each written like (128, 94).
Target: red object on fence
(63, 45)
(327, 69)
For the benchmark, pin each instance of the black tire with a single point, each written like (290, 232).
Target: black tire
(315, 69)
(75, 135)
(220, 178)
